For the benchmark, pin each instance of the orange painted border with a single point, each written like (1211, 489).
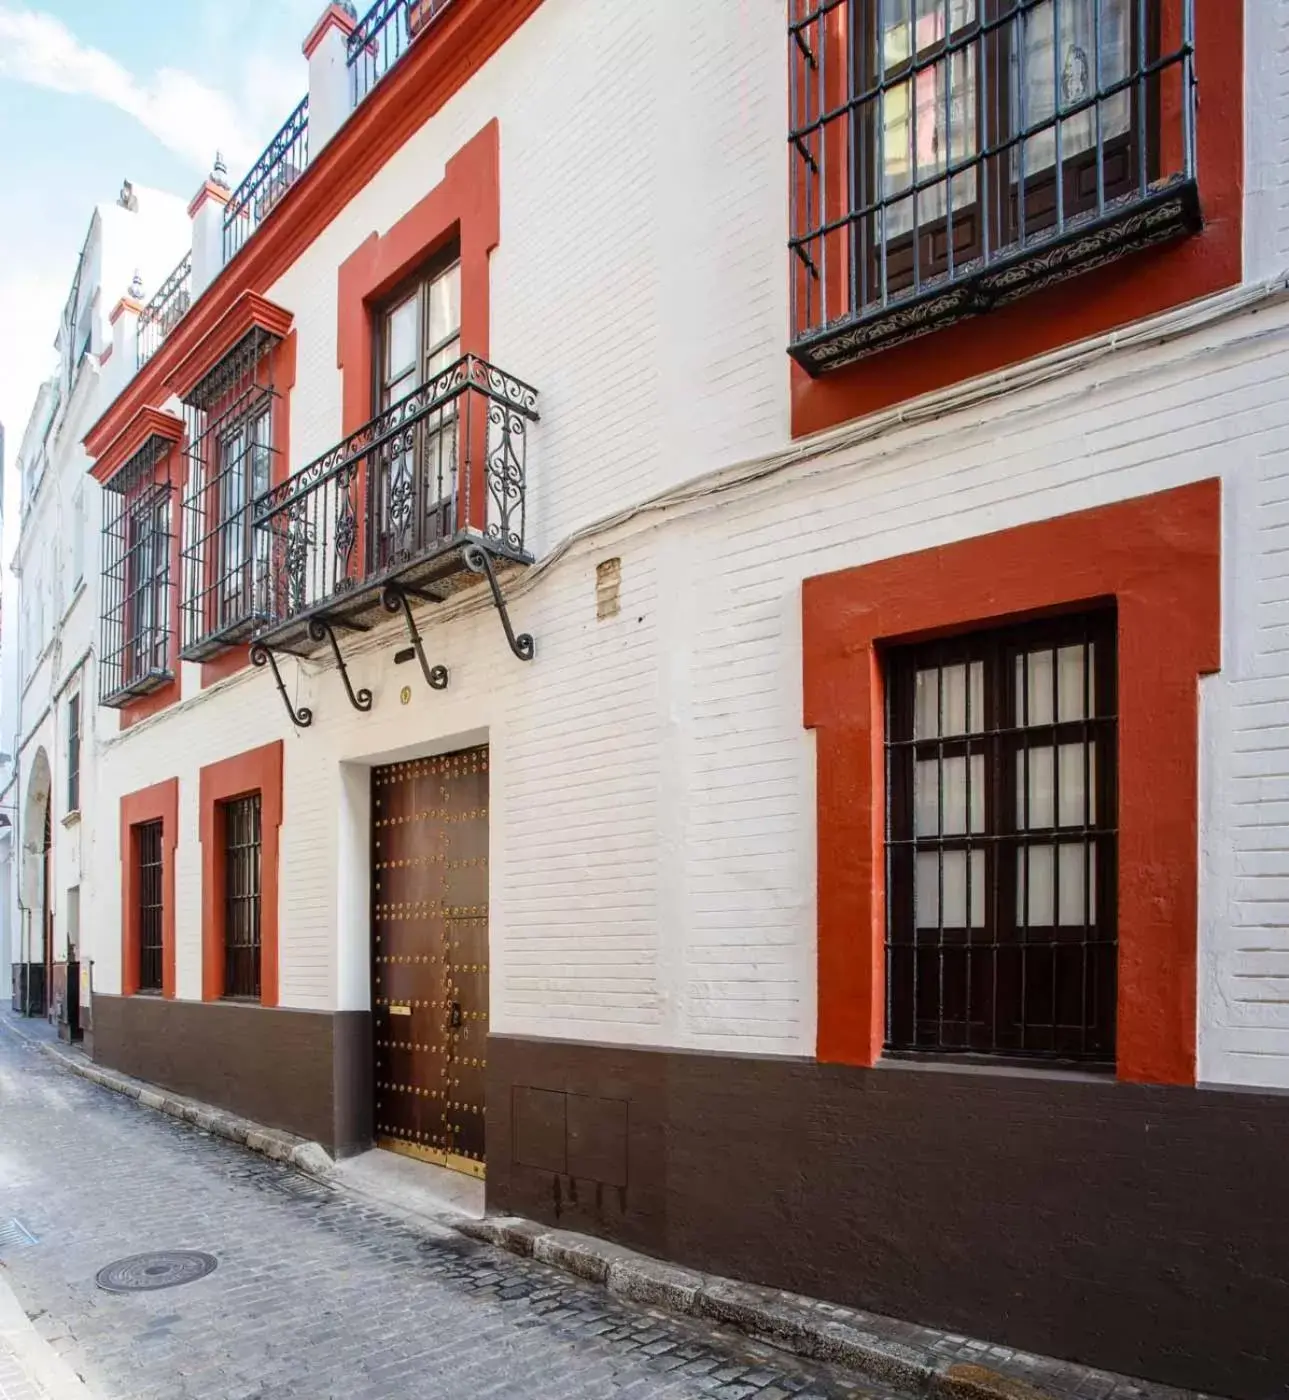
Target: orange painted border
(146, 424)
(465, 203)
(157, 803)
(1140, 285)
(333, 17)
(256, 770)
(1159, 558)
(439, 64)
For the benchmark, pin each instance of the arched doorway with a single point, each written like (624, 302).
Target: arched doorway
(35, 951)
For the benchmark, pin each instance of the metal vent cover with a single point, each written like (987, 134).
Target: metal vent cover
(15, 1235)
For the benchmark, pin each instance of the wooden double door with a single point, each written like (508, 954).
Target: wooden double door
(430, 956)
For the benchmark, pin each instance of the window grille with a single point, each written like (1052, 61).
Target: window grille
(951, 155)
(229, 461)
(74, 754)
(242, 897)
(147, 838)
(136, 576)
(1001, 843)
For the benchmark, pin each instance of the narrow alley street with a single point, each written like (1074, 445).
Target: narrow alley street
(315, 1293)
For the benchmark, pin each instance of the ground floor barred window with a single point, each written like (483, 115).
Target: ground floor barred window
(1001, 842)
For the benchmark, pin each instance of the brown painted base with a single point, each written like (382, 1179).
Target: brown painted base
(1141, 1229)
(307, 1072)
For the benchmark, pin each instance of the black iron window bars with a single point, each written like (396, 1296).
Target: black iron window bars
(951, 155)
(280, 165)
(148, 858)
(241, 830)
(137, 532)
(1001, 843)
(442, 467)
(229, 461)
(167, 307)
(383, 36)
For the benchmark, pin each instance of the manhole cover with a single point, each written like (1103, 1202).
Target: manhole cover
(166, 1268)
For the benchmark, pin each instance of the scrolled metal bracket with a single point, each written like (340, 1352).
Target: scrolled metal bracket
(320, 629)
(262, 655)
(478, 560)
(395, 600)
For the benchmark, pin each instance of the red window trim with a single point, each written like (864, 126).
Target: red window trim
(466, 206)
(1135, 287)
(256, 770)
(1158, 557)
(160, 802)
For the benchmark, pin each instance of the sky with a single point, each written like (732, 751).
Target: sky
(97, 92)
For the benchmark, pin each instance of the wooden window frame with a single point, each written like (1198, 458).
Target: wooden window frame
(981, 987)
(1158, 559)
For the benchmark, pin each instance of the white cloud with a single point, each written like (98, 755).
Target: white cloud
(185, 114)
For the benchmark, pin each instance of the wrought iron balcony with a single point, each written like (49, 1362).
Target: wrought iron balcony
(169, 305)
(950, 158)
(383, 36)
(419, 500)
(277, 169)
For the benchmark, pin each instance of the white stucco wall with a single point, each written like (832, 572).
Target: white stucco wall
(653, 787)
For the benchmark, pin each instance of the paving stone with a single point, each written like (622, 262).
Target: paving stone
(317, 1294)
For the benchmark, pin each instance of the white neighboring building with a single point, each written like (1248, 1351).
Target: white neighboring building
(52, 606)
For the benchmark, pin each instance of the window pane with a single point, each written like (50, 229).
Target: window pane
(946, 130)
(1034, 780)
(1074, 698)
(1036, 895)
(401, 340)
(928, 775)
(445, 307)
(963, 710)
(1065, 64)
(955, 865)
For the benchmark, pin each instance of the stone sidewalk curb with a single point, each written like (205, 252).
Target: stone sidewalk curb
(282, 1147)
(919, 1359)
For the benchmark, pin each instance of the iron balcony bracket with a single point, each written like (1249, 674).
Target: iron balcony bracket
(320, 628)
(395, 599)
(262, 655)
(477, 559)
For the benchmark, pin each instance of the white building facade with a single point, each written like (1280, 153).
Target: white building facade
(692, 623)
(52, 611)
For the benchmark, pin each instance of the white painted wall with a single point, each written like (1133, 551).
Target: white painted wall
(52, 615)
(653, 787)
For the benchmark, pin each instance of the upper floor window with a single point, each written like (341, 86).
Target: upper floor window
(241, 821)
(74, 754)
(419, 338)
(1001, 843)
(229, 462)
(137, 533)
(950, 155)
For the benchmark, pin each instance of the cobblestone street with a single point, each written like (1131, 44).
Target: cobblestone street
(316, 1294)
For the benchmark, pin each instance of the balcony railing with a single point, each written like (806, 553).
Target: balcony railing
(383, 36)
(951, 160)
(280, 166)
(167, 308)
(399, 501)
